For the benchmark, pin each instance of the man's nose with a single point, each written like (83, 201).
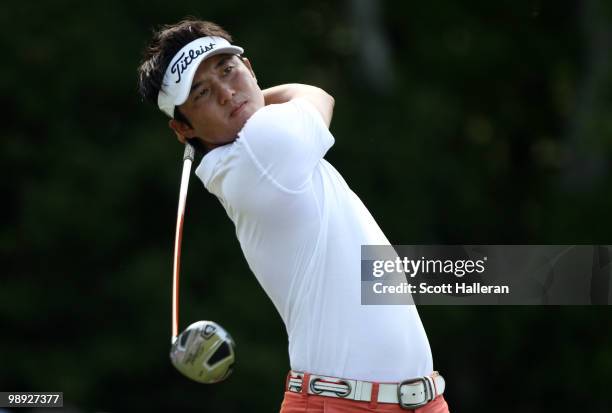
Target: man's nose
(224, 93)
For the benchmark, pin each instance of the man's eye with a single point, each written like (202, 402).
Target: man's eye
(203, 92)
(228, 69)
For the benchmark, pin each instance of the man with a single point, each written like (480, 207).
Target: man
(299, 225)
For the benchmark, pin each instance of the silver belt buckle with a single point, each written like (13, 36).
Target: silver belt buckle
(338, 393)
(428, 392)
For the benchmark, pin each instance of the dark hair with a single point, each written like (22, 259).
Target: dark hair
(166, 42)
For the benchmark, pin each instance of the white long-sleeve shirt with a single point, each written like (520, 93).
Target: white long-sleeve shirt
(301, 228)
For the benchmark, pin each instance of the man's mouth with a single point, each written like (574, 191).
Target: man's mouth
(237, 109)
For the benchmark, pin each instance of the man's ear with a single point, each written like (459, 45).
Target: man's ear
(181, 129)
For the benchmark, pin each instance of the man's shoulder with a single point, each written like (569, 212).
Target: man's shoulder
(272, 117)
(209, 163)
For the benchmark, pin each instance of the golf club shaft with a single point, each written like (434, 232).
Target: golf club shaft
(180, 217)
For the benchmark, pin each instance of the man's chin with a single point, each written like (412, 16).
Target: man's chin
(222, 141)
(231, 136)
(246, 115)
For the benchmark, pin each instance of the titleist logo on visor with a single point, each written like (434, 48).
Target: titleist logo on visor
(186, 58)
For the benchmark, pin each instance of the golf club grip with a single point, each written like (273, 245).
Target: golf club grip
(180, 217)
(189, 152)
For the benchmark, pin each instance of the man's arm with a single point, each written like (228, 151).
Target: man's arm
(321, 100)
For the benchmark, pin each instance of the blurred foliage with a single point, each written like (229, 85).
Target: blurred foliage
(492, 125)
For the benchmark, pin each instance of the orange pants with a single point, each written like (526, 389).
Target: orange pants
(309, 403)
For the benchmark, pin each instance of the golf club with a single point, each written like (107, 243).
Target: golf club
(204, 351)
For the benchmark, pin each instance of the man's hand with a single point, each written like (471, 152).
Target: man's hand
(321, 100)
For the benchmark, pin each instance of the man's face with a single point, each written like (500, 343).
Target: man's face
(224, 95)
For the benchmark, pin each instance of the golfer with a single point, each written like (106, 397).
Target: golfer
(299, 225)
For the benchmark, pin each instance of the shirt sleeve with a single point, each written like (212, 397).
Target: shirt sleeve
(287, 141)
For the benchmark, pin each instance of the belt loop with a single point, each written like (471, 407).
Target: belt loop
(305, 384)
(374, 396)
(287, 380)
(433, 380)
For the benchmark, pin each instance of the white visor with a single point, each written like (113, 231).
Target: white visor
(182, 68)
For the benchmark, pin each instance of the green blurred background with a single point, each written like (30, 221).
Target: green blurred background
(455, 122)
